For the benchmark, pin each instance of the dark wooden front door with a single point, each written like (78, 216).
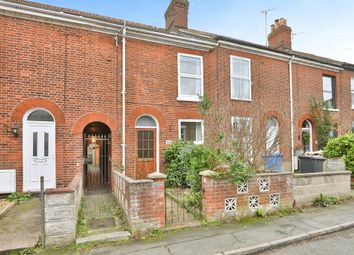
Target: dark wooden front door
(146, 152)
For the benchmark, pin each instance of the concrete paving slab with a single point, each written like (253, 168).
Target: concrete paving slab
(20, 227)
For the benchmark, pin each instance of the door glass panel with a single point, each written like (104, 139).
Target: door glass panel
(146, 144)
(46, 144)
(35, 144)
(40, 115)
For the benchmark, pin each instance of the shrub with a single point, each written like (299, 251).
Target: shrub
(325, 201)
(185, 160)
(177, 163)
(342, 146)
(201, 158)
(239, 171)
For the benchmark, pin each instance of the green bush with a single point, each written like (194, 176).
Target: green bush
(185, 160)
(239, 171)
(202, 158)
(342, 146)
(177, 163)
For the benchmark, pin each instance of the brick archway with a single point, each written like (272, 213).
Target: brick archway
(275, 114)
(21, 108)
(146, 110)
(305, 116)
(88, 118)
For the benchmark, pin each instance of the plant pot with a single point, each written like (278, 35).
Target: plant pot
(334, 164)
(273, 162)
(311, 164)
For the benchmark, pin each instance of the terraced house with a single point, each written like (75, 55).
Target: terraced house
(84, 93)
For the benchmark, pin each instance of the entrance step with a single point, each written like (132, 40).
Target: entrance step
(113, 236)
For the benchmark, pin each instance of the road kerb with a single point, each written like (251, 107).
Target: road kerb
(288, 240)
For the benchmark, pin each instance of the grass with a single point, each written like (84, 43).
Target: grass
(82, 226)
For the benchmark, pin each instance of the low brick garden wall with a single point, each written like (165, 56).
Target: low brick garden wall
(223, 199)
(309, 186)
(143, 201)
(61, 208)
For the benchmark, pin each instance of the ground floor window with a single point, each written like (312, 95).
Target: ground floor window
(191, 130)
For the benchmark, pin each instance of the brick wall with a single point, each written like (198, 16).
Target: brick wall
(143, 201)
(219, 195)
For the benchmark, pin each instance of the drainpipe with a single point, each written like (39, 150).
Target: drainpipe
(291, 112)
(123, 97)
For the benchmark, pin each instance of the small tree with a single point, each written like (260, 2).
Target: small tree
(245, 141)
(323, 121)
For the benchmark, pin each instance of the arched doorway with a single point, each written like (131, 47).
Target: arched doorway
(147, 146)
(306, 135)
(38, 149)
(97, 153)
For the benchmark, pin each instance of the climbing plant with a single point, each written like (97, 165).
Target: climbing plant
(323, 122)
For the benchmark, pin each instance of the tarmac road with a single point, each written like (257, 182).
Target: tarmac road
(341, 243)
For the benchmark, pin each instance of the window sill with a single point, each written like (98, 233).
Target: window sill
(189, 99)
(245, 100)
(331, 110)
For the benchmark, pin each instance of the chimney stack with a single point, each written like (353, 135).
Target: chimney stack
(280, 36)
(176, 15)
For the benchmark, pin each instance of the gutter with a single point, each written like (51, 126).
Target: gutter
(291, 112)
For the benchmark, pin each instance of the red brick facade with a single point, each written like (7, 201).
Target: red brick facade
(76, 74)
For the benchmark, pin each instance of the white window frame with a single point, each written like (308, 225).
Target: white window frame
(352, 89)
(181, 97)
(332, 91)
(193, 121)
(240, 77)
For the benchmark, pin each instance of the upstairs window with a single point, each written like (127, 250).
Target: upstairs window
(352, 90)
(329, 92)
(191, 130)
(240, 78)
(190, 77)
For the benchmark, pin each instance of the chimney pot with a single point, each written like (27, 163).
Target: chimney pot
(280, 35)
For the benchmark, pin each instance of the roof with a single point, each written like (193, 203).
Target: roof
(188, 33)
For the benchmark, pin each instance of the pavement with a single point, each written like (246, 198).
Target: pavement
(228, 239)
(20, 227)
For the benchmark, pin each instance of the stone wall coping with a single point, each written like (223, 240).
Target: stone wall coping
(273, 174)
(69, 189)
(157, 175)
(210, 173)
(130, 180)
(207, 173)
(304, 175)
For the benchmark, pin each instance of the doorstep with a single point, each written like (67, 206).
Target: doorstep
(113, 236)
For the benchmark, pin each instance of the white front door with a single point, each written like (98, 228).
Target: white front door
(39, 155)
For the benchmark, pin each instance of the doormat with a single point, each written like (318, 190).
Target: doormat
(102, 223)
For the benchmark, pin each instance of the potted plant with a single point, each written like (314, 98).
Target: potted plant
(305, 139)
